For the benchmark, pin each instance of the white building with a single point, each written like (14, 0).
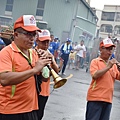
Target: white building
(109, 21)
(88, 1)
(64, 18)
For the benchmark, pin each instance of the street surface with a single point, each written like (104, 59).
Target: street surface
(69, 101)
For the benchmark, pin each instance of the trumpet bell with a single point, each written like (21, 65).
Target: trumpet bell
(59, 82)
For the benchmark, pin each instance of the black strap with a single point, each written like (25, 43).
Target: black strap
(38, 78)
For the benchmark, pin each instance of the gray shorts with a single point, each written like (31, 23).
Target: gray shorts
(79, 59)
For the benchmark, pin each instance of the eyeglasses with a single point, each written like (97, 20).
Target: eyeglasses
(108, 48)
(28, 34)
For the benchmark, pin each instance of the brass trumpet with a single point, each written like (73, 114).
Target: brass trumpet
(58, 81)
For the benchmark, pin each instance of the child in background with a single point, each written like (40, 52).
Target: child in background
(71, 62)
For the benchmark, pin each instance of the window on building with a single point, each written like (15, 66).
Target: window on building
(117, 29)
(106, 28)
(5, 20)
(42, 24)
(10, 1)
(9, 5)
(40, 8)
(39, 12)
(102, 29)
(117, 17)
(8, 8)
(41, 4)
(86, 35)
(108, 16)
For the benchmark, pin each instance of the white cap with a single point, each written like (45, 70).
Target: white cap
(44, 35)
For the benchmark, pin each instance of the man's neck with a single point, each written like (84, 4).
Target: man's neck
(105, 59)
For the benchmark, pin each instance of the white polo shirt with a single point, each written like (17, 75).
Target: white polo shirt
(82, 49)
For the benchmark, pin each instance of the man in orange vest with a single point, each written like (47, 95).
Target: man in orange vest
(100, 93)
(18, 65)
(43, 41)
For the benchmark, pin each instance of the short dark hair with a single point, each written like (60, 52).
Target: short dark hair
(82, 40)
(51, 35)
(18, 29)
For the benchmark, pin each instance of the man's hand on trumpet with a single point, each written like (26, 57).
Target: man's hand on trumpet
(42, 62)
(44, 54)
(53, 62)
(114, 61)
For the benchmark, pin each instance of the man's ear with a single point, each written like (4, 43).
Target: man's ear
(15, 34)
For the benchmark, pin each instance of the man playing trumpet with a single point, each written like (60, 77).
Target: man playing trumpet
(43, 40)
(104, 72)
(18, 66)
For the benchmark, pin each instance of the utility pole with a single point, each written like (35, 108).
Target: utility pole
(73, 22)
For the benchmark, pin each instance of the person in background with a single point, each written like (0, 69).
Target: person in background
(18, 65)
(56, 40)
(2, 44)
(81, 54)
(66, 48)
(52, 46)
(35, 44)
(71, 61)
(72, 56)
(87, 60)
(43, 41)
(57, 48)
(112, 56)
(100, 93)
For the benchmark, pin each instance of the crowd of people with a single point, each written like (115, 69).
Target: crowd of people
(25, 73)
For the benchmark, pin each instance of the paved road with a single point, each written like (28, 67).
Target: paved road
(69, 101)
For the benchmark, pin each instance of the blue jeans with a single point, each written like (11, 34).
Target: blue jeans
(98, 110)
(80, 60)
(65, 57)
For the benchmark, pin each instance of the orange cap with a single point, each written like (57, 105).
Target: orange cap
(27, 22)
(106, 43)
(44, 35)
